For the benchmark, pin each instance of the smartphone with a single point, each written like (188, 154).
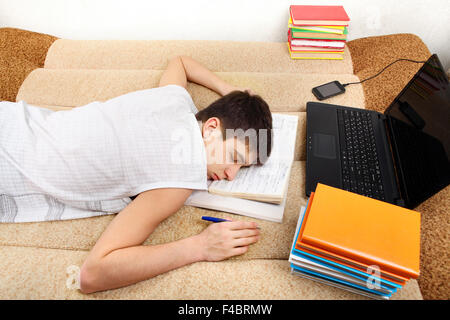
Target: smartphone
(328, 90)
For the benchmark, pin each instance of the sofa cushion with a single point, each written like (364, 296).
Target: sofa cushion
(228, 56)
(21, 51)
(44, 274)
(282, 91)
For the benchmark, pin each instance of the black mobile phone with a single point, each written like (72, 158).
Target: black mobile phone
(328, 90)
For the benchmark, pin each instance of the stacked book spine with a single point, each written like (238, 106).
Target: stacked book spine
(317, 32)
(356, 243)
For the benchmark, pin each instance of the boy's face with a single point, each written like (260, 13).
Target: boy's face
(224, 157)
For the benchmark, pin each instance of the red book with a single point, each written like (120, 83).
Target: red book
(319, 15)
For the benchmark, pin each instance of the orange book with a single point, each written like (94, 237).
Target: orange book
(354, 227)
(335, 258)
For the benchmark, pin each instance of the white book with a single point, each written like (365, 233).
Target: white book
(318, 43)
(249, 208)
(329, 272)
(337, 285)
(257, 191)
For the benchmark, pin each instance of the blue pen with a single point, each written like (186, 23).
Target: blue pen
(214, 219)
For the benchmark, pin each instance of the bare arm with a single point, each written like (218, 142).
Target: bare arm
(119, 258)
(182, 69)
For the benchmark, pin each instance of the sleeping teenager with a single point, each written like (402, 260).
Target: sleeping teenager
(152, 146)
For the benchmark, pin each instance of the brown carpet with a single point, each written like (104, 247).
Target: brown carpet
(21, 52)
(369, 56)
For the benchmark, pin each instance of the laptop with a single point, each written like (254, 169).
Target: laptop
(401, 156)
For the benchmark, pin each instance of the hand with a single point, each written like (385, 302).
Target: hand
(226, 239)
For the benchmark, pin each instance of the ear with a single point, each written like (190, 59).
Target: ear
(211, 128)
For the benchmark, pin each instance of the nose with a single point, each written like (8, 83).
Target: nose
(231, 171)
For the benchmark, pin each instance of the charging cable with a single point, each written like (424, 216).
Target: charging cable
(346, 84)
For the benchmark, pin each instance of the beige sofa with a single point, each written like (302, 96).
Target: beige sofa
(38, 259)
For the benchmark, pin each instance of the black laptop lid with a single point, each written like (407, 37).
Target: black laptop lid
(419, 123)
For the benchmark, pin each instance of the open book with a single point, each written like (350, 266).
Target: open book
(267, 183)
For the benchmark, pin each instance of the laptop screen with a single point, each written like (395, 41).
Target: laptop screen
(419, 123)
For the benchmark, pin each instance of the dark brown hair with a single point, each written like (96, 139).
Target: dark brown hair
(241, 110)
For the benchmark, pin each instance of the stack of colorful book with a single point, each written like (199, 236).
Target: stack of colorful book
(317, 32)
(356, 243)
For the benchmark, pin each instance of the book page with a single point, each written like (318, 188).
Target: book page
(270, 178)
(284, 133)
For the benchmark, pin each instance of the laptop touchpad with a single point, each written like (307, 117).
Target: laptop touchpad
(324, 146)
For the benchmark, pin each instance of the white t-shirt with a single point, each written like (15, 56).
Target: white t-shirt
(89, 160)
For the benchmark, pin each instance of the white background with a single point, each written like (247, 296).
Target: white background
(240, 20)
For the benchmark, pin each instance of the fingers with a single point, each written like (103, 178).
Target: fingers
(238, 225)
(226, 239)
(245, 241)
(244, 233)
(239, 250)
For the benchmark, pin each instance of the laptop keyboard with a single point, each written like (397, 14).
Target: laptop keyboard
(359, 159)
